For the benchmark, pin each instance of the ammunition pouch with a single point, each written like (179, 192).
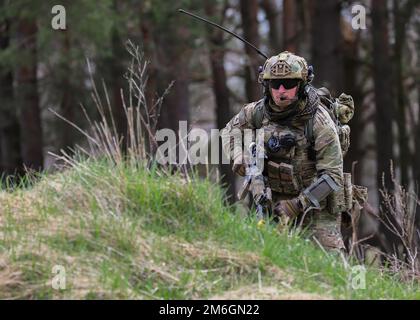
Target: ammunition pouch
(282, 178)
(348, 191)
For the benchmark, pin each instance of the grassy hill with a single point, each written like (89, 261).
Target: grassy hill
(121, 231)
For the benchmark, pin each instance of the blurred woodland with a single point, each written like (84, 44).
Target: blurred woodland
(214, 74)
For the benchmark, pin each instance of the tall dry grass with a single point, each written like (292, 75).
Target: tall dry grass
(137, 146)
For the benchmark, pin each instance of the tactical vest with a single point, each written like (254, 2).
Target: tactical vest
(289, 170)
(342, 129)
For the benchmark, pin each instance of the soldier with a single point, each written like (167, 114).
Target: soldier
(304, 159)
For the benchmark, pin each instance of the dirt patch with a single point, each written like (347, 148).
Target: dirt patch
(255, 292)
(10, 278)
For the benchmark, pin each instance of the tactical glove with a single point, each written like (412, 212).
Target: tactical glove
(289, 208)
(293, 207)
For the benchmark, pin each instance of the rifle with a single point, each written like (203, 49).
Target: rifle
(256, 183)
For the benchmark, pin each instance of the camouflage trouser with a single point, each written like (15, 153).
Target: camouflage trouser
(320, 225)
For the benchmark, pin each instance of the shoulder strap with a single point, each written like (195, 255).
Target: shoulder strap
(309, 134)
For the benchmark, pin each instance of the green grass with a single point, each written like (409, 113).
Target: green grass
(124, 232)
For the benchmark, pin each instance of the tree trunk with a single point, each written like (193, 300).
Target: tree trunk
(67, 105)
(221, 94)
(118, 83)
(147, 32)
(176, 106)
(173, 60)
(382, 74)
(401, 17)
(327, 55)
(169, 41)
(351, 69)
(273, 18)
(27, 96)
(416, 158)
(249, 10)
(290, 26)
(149, 50)
(10, 158)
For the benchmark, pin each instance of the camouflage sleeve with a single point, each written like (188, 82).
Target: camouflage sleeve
(232, 134)
(329, 158)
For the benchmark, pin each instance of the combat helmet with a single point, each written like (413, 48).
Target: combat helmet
(286, 65)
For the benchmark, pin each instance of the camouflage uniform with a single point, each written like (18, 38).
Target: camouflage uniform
(290, 171)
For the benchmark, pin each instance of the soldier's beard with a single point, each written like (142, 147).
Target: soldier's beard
(283, 98)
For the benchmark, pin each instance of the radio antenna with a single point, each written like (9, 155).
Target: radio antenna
(224, 29)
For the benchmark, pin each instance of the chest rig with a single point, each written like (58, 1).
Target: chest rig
(290, 157)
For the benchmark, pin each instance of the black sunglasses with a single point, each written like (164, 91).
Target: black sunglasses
(287, 83)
